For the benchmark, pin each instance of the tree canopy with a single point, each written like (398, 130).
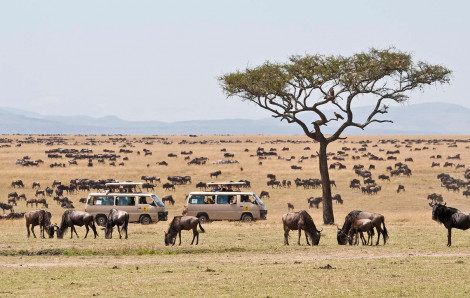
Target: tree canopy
(306, 84)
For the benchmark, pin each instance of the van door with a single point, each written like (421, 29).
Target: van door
(245, 205)
(227, 207)
(127, 203)
(146, 205)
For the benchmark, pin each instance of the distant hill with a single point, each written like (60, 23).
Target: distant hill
(418, 119)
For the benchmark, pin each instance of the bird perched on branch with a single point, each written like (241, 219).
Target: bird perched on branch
(331, 94)
(338, 116)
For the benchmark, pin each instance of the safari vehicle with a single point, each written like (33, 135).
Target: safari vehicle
(127, 196)
(223, 203)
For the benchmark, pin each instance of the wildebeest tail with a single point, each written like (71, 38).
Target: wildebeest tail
(385, 229)
(202, 230)
(126, 223)
(93, 226)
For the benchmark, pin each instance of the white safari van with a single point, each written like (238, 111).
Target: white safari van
(127, 196)
(225, 204)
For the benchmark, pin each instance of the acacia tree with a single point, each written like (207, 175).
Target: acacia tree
(306, 87)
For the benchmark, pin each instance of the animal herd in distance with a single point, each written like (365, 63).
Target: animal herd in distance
(451, 218)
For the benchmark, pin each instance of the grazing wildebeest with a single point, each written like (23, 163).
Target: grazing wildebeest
(201, 185)
(400, 187)
(31, 201)
(36, 184)
(40, 218)
(148, 186)
(13, 195)
(451, 218)
(183, 223)
(12, 201)
(168, 186)
(72, 218)
(264, 194)
(41, 201)
(168, 199)
(290, 206)
(16, 183)
(216, 174)
(314, 201)
(273, 183)
(466, 193)
(300, 220)
(358, 227)
(384, 177)
(67, 205)
(377, 219)
(338, 199)
(40, 192)
(6, 207)
(49, 191)
(117, 218)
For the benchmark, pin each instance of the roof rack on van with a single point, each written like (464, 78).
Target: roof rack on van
(226, 184)
(127, 185)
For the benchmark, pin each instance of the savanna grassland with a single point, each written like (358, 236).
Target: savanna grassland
(234, 258)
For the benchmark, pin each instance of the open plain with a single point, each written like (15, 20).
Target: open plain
(235, 258)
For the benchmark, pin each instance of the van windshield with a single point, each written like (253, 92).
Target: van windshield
(258, 200)
(158, 201)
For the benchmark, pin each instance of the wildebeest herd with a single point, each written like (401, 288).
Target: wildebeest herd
(367, 182)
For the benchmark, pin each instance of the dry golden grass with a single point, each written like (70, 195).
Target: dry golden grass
(247, 259)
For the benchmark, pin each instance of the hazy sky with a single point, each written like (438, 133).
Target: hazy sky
(159, 60)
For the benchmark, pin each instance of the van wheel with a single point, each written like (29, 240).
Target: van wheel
(101, 220)
(247, 217)
(145, 220)
(203, 218)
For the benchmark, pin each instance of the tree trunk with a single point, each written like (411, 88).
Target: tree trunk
(328, 217)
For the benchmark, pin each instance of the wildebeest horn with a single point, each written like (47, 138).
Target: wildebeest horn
(430, 204)
(338, 228)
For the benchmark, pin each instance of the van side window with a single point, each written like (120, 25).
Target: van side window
(196, 199)
(222, 199)
(209, 199)
(125, 201)
(101, 201)
(147, 200)
(232, 199)
(245, 199)
(202, 199)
